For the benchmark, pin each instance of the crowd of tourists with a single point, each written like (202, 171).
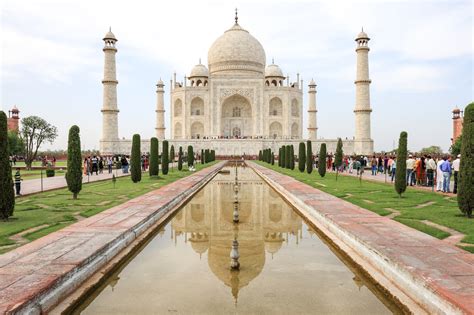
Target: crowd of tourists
(421, 170)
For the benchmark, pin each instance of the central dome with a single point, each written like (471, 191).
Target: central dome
(236, 50)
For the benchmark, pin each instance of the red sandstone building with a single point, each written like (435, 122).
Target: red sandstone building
(457, 124)
(13, 120)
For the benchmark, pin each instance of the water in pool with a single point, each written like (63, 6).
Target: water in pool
(285, 267)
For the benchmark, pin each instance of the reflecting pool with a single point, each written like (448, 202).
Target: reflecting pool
(285, 267)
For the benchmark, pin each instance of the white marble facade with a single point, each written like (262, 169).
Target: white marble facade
(238, 104)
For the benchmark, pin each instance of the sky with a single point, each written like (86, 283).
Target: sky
(421, 60)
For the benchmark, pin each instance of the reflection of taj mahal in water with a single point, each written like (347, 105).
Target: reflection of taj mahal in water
(265, 222)
(238, 104)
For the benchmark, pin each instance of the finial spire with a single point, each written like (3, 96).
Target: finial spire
(199, 60)
(110, 28)
(236, 17)
(362, 28)
(273, 61)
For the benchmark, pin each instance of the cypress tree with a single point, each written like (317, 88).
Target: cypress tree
(135, 167)
(190, 155)
(273, 159)
(338, 157)
(287, 157)
(283, 156)
(309, 157)
(165, 158)
(7, 194)
(279, 156)
(74, 162)
(203, 160)
(401, 170)
(292, 157)
(171, 157)
(322, 160)
(153, 169)
(180, 159)
(466, 170)
(260, 157)
(213, 155)
(301, 157)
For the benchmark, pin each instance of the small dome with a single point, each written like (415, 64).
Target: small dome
(312, 83)
(199, 71)
(236, 50)
(15, 109)
(456, 110)
(110, 35)
(273, 71)
(160, 83)
(362, 35)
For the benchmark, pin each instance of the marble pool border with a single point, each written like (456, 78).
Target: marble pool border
(36, 277)
(421, 272)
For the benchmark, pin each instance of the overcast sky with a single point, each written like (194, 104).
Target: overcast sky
(421, 59)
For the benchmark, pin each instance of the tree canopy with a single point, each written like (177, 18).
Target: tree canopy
(34, 132)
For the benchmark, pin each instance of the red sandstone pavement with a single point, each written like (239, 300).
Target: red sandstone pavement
(443, 268)
(31, 270)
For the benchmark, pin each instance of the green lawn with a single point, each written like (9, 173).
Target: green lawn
(377, 197)
(61, 163)
(26, 175)
(57, 209)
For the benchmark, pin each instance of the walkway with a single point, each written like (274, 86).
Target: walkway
(434, 273)
(32, 186)
(38, 275)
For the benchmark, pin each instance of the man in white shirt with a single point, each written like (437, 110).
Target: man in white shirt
(430, 169)
(410, 164)
(456, 164)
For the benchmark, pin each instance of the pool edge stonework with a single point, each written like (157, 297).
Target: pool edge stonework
(37, 276)
(422, 272)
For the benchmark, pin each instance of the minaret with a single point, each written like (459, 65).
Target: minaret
(160, 111)
(312, 123)
(457, 124)
(363, 144)
(109, 142)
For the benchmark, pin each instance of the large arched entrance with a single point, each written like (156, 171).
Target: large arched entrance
(236, 117)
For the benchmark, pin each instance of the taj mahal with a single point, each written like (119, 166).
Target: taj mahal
(238, 104)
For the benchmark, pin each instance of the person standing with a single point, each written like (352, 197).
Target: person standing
(439, 175)
(446, 169)
(456, 164)
(109, 164)
(393, 167)
(373, 165)
(101, 165)
(430, 169)
(410, 166)
(18, 180)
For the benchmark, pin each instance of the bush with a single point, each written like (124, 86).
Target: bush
(401, 170)
(154, 168)
(301, 157)
(309, 157)
(322, 160)
(74, 162)
(7, 194)
(180, 159)
(50, 172)
(190, 155)
(165, 158)
(135, 167)
(466, 170)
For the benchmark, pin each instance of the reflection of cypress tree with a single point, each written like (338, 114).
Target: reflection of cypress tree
(153, 157)
(7, 194)
(401, 170)
(466, 171)
(164, 158)
(135, 167)
(322, 160)
(301, 157)
(74, 162)
(309, 157)
(180, 159)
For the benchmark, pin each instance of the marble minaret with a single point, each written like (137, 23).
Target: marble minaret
(109, 139)
(312, 123)
(363, 144)
(160, 111)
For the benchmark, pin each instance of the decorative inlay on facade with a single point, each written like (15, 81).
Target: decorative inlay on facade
(247, 93)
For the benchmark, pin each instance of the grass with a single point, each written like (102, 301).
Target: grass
(26, 175)
(61, 163)
(57, 209)
(377, 197)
